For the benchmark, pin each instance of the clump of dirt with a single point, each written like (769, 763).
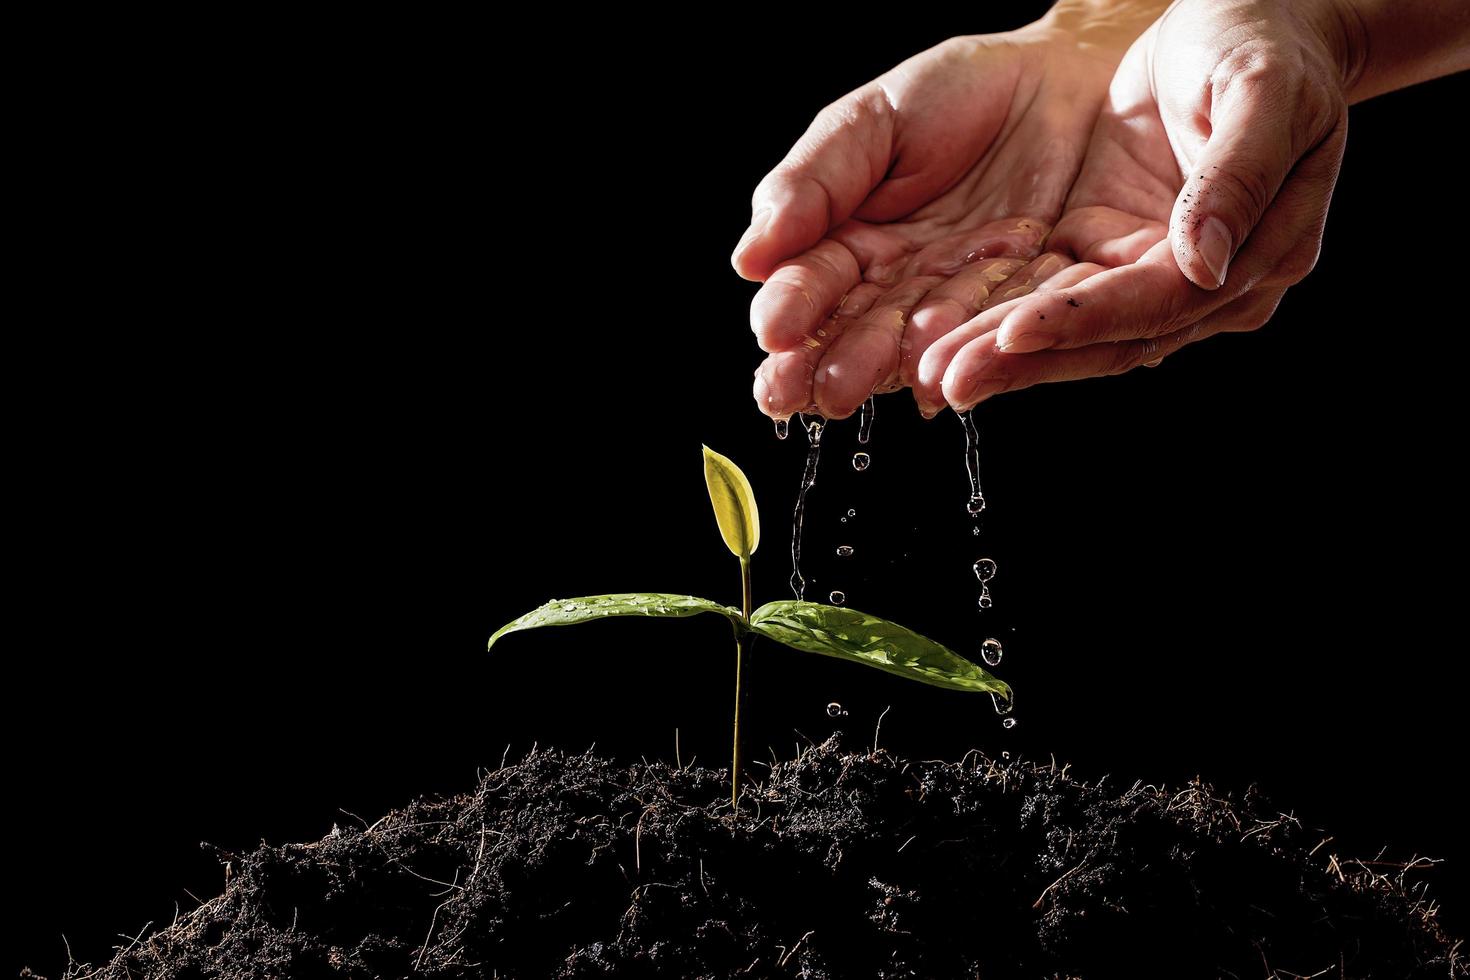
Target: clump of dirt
(840, 865)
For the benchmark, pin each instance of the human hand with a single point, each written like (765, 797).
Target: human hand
(920, 199)
(1202, 199)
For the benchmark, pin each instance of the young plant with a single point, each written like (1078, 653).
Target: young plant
(833, 631)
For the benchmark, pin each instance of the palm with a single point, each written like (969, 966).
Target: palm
(1193, 148)
(987, 135)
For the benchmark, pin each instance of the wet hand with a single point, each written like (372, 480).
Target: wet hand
(919, 200)
(1202, 198)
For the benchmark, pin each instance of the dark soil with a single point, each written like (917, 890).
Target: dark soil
(840, 865)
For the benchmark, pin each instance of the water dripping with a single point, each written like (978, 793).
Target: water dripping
(782, 426)
(844, 551)
(860, 461)
(865, 422)
(972, 463)
(852, 512)
(985, 601)
(991, 652)
(835, 710)
(1008, 723)
(808, 477)
(1002, 706)
(985, 569)
(838, 597)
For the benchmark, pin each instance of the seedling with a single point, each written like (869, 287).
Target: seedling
(833, 631)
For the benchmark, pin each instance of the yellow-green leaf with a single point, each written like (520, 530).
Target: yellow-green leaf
(734, 503)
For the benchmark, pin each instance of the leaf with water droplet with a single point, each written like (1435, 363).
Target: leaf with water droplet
(567, 612)
(857, 636)
(734, 503)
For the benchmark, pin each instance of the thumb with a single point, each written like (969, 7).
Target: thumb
(838, 161)
(1252, 147)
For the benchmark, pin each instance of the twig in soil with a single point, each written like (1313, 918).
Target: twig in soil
(1042, 897)
(879, 728)
(638, 839)
(787, 954)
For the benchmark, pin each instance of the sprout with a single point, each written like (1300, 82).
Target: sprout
(833, 631)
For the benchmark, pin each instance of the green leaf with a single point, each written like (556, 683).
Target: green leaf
(734, 502)
(565, 612)
(837, 631)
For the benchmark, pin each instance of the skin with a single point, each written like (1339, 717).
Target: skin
(1200, 198)
(919, 200)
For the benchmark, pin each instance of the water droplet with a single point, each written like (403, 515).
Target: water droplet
(844, 520)
(1008, 723)
(860, 461)
(1002, 706)
(976, 505)
(991, 652)
(844, 551)
(865, 425)
(782, 427)
(835, 710)
(838, 597)
(975, 530)
(985, 569)
(1005, 756)
(569, 606)
(852, 512)
(985, 601)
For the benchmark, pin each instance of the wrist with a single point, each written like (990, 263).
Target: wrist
(1344, 34)
(1107, 24)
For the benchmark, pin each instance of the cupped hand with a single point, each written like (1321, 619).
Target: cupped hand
(1203, 196)
(919, 200)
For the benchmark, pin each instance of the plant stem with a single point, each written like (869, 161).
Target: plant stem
(742, 689)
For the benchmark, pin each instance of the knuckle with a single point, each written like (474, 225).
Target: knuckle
(1129, 354)
(1298, 263)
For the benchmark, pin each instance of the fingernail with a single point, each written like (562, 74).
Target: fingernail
(1021, 332)
(758, 222)
(1214, 248)
(1026, 343)
(984, 390)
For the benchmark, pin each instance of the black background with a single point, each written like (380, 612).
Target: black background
(365, 342)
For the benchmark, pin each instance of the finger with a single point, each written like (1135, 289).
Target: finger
(783, 382)
(800, 293)
(1259, 129)
(948, 305)
(981, 371)
(1146, 299)
(865, 355)
(840, 158)
(928, 379)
